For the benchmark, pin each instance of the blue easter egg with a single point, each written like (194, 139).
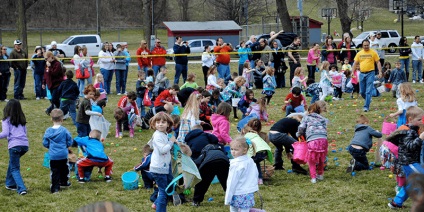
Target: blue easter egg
(334, 151)
(335, 159)
(337, 164)
(210, 199)
(353, 174)
(289, 171)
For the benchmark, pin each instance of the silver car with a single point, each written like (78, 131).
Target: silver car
(197, 46)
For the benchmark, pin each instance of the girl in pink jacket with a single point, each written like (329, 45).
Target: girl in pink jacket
(313, 60)
(221, 124)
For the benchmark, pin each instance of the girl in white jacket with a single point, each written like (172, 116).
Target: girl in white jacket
(242, 181)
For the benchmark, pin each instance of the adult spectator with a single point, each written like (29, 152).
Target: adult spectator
(266, 55)
(5, 69)
(313, 60)
(252, 40)
(283, 134)
(39, 68)
(58, 53)
(120, 69)
(273, 37)
(404, 51)
(76, 59)
(347, 50)
(223, 58)
(181, 61)
(127, 64)
(417, 60)
(329, 51)
(158, 61)
(258, 73)
(366, 59)
(20, 69)
(243, 53)
(86, 62)
(249, 44)
(374, 45)
(380, 51)
(279, 65)
(106, 64)
(207, 61)
(143, 59)
(294, 57)
(52, 79)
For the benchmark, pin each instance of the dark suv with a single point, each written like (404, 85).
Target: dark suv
(285, 38)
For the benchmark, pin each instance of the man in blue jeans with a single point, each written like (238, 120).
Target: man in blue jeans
(181, 61)
(417, 60)
(366, 59)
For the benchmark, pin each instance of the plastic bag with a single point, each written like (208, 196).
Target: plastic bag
(101, 124)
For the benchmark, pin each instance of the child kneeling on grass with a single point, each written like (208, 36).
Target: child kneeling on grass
(361, 144)
(95, 156)
(57, 139)
(295, 102)
(410, 144)
(144, 167)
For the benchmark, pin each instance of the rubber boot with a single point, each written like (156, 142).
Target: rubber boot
(131, 132)
(117, 131)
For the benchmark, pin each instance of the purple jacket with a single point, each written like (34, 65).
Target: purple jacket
(16, 136)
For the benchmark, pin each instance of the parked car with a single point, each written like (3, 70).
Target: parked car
(92, 42)
(196, 46)
(390, 39)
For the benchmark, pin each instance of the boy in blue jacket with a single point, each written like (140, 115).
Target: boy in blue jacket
(68, 91)
(57, 139)
(95, 156)
(144, 167)
(361, 144)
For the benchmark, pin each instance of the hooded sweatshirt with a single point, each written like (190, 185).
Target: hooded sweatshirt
(197, 140)
(363, 136)
(221, 128)
(314, 126)
(57, 140)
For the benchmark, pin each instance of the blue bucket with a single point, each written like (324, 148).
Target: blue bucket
(130, 180)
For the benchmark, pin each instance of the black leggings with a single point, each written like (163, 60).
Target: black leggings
(205, 70)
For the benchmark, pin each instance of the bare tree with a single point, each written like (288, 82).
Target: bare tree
(184, 8)
(21, 22)
(284, 15)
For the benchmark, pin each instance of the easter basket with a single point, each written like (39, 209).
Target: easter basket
(388, 127)
(262, 204)
(300, 151)
(267, 171)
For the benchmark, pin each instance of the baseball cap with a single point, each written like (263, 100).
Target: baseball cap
(17, 42)
(53, 43)
(372, 34)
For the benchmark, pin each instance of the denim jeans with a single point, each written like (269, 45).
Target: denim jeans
(224, 71)
(402, 196)
(360, 155)
(417, 67)
(156, 69)
(38, 81)
(55, 100)
(69, 106)
(20, 79)
(298, 109)
(404, 65)
(279, 140)
(4, 83)
(258, 158)
(314, 98)
(144, 68)
(366, 86)
(83, 129)
(120, 85)
(13, 176)
(180, 69)
(311, 71)
(147, 179)
(81, 84)
(107, 75)
(162, 181)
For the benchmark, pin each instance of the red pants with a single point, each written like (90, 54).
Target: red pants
(85, 162)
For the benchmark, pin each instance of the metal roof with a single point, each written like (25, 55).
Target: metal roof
(202, 26)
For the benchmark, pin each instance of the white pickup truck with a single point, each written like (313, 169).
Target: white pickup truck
(390, 39)
(92, 42)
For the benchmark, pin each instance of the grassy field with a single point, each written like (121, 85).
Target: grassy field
(368, 191)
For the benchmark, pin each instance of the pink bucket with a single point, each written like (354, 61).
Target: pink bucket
(388, 127)
(300, 152)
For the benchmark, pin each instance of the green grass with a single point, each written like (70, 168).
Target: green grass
(368, 191)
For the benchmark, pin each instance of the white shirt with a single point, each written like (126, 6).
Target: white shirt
(212, 81)
(242, 178)
(417, 51)
(77, 60)
(207, 59)
(105, 60)
(405, 105)
(161, 155)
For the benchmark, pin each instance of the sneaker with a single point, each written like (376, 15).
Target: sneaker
(413, 81)
(47, 112)
(118, 94)
(260, 181)
(393, 205)
(195, 204)
(313, 180)
(81, 180)
(23, 192)
(176, 199)
(351, 167)
(38, 98)
(12, 188)
(154, 206)
(365, 110)
(55, 192)
(67, 185)
(120, 134)
(108, 179)
(6, 100)
(320, 177)
(421, 81)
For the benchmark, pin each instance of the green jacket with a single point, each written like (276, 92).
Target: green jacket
(260, 145)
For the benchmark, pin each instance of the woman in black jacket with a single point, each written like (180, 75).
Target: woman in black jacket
(279, 65)
(4, 73)
(404, 51)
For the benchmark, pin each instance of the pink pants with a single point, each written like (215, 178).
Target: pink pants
(317, 151)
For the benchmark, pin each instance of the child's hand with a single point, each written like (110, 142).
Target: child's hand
(173, 139)
(100, 115)
(392, 115)
(289, 156)
(422, 136)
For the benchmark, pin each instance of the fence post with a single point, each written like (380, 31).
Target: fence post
(41, 37)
